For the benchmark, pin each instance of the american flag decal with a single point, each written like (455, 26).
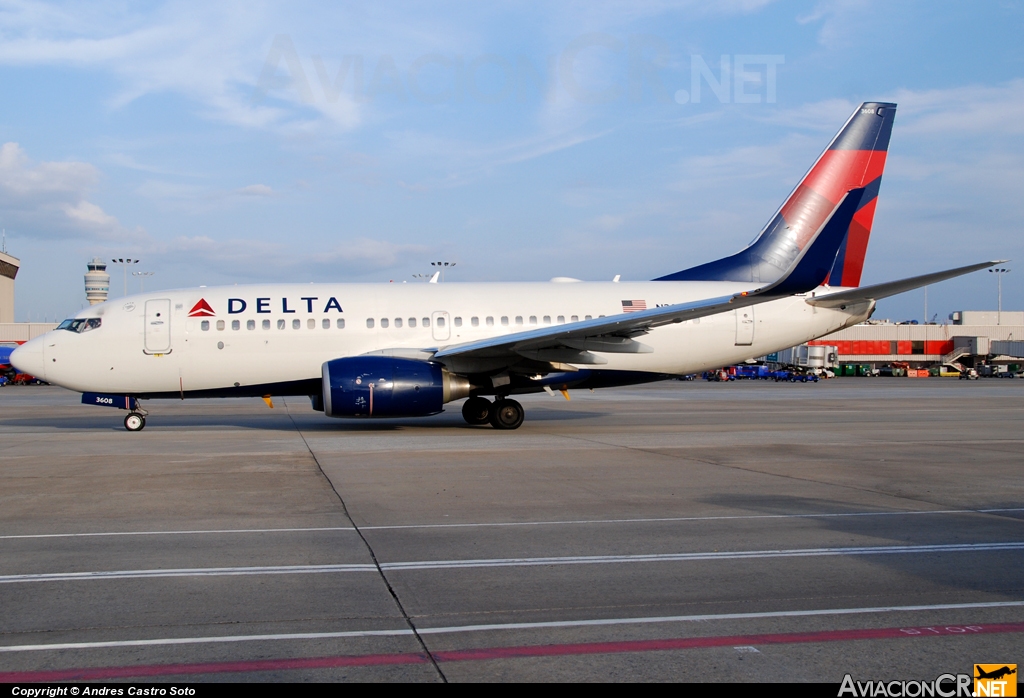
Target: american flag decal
(633, 306)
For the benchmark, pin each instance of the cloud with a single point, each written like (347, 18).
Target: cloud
(783, 159)
(194, 198)
(254, 190)
(841, 21)
(49, 199)
(262, 261)
(984, 110)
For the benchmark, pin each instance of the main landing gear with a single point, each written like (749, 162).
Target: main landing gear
(503, 413)
(135, 421)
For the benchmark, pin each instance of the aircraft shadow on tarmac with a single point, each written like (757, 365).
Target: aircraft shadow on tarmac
(278, 419)
(990, 573)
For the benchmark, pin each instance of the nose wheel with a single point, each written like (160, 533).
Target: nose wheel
(135, 422)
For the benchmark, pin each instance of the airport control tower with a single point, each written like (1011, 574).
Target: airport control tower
(8, 270)
(97, 282)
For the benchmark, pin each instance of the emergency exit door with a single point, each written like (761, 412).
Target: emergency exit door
(158, 326)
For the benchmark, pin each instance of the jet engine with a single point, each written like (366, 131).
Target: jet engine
(385, 386)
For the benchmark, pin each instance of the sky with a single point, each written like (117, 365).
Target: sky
(233, 142)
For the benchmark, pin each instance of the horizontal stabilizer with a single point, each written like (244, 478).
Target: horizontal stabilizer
(892, 288)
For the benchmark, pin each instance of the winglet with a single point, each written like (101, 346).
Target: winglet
(815, 261)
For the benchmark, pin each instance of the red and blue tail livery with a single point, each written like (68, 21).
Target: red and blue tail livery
(855, 159)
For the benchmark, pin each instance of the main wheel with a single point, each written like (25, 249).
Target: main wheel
(507, 414)
(134, 422)
(477, 410)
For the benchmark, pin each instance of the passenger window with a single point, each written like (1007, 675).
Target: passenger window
(561, 319)
(266, 324)
(236, 325)
(369, 323)
(519, 319)
(326, 324)
(205, 325)
(458, 322)
(412, 322)
(575, 318)
(440, 321)
(311, 324)
(504, 320)
(341, 323)
(250, 324)
(220, 325)
(384, 322)
(474, 321)
(533, 319)
(547, 319)
(490, 321)
(296, 324)
(398, 322)
(280, 324)
(426, 322)
(587, 317)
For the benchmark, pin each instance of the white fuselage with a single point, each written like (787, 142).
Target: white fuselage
(270, 334)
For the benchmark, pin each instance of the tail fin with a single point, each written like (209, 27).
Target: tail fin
(854, 159)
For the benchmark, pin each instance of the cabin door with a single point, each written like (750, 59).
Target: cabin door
(745, 326)
(158, 326)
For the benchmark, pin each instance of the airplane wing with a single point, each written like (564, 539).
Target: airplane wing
(573, 342)
(879, 291)
(608, 334)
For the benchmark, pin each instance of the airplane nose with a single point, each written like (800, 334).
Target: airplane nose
(28, 358)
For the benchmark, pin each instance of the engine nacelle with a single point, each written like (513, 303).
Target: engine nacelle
(385, 386)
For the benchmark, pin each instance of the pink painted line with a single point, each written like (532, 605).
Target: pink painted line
(584, 648)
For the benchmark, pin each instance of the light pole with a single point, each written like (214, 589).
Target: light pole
(999, 282)
(125, 262)
(442, 266)
(142, 275)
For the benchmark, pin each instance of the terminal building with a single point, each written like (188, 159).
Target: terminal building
(971, 339)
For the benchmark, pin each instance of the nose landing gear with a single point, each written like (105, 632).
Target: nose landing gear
(135, 421)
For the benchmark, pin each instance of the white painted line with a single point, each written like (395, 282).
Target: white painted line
(688, 518)
(690, 557)
(511, 562)
(507, 626)
(571, 522)
(184, 572)
(178, 533)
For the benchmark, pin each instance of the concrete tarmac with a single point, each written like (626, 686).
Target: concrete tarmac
(672, 532)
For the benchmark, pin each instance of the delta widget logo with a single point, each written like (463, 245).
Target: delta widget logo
(201, 309)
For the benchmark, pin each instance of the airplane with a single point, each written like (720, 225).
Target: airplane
(404, 350)
(994, 674)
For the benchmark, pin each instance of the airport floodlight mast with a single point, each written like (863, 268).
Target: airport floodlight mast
(442, 266)
(142, 277)
(999, 308)
(125, 262)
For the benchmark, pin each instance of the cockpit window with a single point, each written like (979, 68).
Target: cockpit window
(80, 325)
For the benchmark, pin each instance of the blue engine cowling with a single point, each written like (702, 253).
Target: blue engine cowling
(385, 386)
